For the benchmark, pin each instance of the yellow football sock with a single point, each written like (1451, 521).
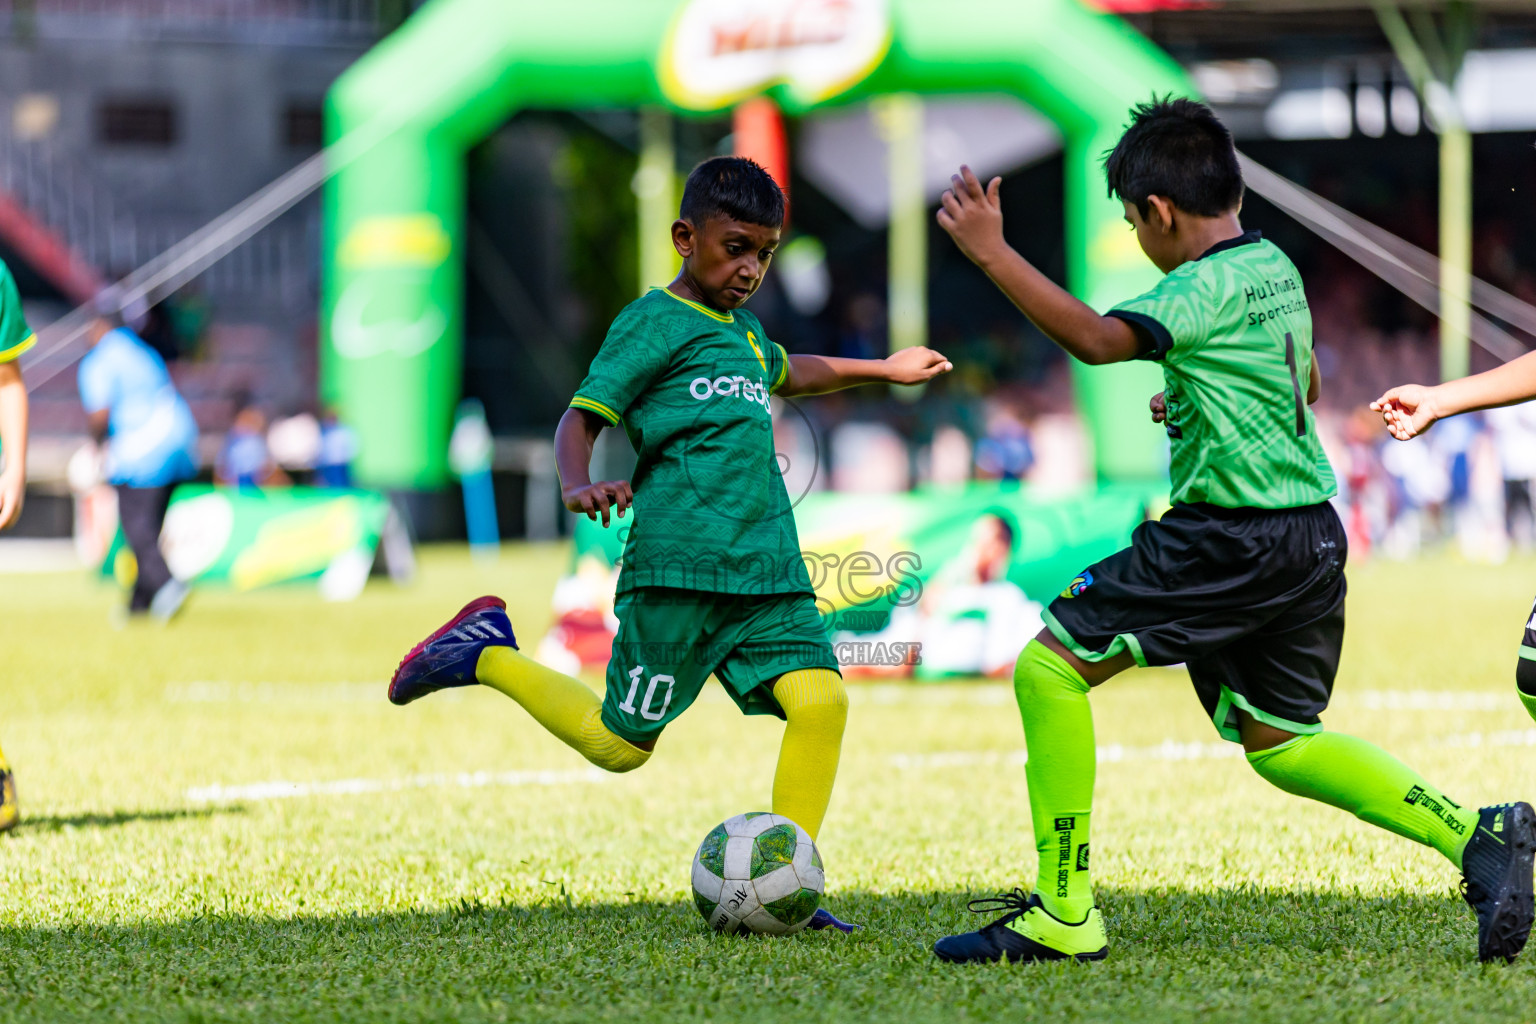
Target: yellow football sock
(564, 706)
(816, 707)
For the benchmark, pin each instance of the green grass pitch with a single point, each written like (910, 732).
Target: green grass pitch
(450, 861)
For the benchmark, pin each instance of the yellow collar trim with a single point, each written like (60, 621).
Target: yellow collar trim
(725, 318)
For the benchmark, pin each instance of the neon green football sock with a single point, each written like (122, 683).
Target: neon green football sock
(1371, 784)
(1529, 700)
(1058, 732)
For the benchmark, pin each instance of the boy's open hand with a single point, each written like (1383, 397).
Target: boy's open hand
(1159, 407)
(973, 215)
(1408, 410)
(599, 498)
(916, 365)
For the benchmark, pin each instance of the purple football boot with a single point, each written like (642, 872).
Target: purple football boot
(448, 657)
(823, 919)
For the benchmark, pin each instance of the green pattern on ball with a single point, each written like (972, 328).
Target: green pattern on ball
(795, 907)
(754, 814)
(712, 851)
(816, 859)
(773, 849)
(706, 906)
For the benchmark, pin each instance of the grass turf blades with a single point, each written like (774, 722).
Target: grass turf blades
(414, 885)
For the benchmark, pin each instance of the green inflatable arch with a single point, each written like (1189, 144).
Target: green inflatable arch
(391, 317)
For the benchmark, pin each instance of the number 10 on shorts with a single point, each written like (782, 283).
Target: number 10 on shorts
(627, 705)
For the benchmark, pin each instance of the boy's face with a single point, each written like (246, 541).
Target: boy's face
(1154, 233)
(727, 259)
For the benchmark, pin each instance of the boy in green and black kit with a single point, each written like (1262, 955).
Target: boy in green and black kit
(1242, 580)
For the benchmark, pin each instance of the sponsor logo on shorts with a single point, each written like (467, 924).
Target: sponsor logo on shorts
(1078, 585)
(1436, 806)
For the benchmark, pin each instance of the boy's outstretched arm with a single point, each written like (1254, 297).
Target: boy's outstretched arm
(13, 441)
(973, 216)
(816, 375)
(1411, 409)
(574, 438)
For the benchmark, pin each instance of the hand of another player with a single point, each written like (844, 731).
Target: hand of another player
(596, 499)
(973, 215)
(1408, 410)
(1159, 407)
(916, 365)
(13, 489)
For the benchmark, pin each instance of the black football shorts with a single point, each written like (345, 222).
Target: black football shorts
(1250, 600)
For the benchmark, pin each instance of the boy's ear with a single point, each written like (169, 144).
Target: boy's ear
(1160, 213)
(683, 239)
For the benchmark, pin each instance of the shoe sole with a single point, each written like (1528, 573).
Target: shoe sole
(1511, 924)
(1014, 958)
(477, 605)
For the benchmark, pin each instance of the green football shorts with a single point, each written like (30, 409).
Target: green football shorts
(670, 641)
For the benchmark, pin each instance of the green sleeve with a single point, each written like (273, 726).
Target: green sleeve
(631, 359)
(1173, 319)
(15, 336)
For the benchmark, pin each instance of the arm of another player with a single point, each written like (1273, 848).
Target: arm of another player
(1411, 409)
(13, 441)
(973, 216)
(817, 375)
(574, 438)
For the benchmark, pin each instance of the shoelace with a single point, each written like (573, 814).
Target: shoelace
(1017, 900)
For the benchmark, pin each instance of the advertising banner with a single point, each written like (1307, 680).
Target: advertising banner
(250, 539)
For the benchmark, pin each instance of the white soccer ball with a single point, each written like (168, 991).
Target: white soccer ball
(758, 872)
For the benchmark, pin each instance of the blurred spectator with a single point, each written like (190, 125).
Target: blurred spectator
(1004, 453)
(151, 442)
(1514, 435)
(245, 461)
(338, 447)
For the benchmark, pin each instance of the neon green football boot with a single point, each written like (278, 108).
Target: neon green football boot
(1026, 932)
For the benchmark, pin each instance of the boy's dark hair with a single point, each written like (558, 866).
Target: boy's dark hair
(1178, 149)
(735, 187)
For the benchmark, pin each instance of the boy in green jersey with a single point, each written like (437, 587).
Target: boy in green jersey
(15, 338)
(1242, 580)
(1411, 409)
(713, 581)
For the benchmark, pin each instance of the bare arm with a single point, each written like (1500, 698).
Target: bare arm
(817, 375)
(973, 217)
(574, 438)
(13, 440)
(1413, 408)
(1314, 383)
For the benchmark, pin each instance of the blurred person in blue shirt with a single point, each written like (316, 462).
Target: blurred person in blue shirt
(338, 446)
(245, 461)
(151, 446)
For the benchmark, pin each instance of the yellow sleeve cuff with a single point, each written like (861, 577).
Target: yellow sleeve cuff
(592, 405)
(783, 367)
(15, 351)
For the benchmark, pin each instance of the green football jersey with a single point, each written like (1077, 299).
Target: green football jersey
(690, 386)
(1234, 334)
(15, 336)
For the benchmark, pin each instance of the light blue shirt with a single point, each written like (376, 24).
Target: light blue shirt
(153, 438)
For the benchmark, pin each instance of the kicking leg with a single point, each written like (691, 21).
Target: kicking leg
(478, 646)
(1492, 847)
